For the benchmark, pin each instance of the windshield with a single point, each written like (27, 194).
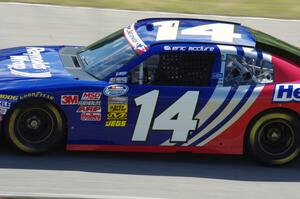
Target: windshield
(107, 55)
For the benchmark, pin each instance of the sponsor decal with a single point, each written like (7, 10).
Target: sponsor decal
(69, 99)
(90, 116)
(118, 100)
(3, 111)
(134, 40)
(30, 64)
(118, 108)
(89, 103)
(286, 93)
(217, 75)
(189, 48)
(8, 97)
(121, 73)
(5, 104)
(119, 80)
(91, 96)
(117, 116)
(114, 123)
(115, 90)
(90, 109)
(37, 95)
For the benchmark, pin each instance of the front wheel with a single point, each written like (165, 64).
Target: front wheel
(35, 126)
(273, 138)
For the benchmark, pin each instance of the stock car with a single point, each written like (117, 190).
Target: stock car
(159, 85)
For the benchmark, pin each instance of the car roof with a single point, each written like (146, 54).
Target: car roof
(148, 30)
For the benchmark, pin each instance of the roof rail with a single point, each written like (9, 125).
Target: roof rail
(194, 19)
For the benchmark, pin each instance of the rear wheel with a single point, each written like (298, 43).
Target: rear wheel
(273, 138)
(35, 126)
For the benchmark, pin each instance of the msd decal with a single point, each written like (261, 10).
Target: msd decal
(91, 96)
(286, 93)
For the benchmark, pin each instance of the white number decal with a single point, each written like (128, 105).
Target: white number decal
(217, 31)
(178, 117)
(167, 30)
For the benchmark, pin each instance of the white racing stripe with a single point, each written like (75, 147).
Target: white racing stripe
(238, 96)
(67, 196)
(244, 108)
(215, 101)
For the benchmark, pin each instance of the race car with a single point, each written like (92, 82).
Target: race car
(159, 85)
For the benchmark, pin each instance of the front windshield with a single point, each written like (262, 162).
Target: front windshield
(107, 55)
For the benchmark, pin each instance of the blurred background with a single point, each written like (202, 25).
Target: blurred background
(259, 8)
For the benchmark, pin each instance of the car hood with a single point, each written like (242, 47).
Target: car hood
(31, 62)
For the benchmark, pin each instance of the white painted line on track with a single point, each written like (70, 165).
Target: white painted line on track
(151, 12)
(69, 196)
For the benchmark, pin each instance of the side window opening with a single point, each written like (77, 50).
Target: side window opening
(243, 70)
(177, 69)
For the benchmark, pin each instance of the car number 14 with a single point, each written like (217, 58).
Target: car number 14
(178, 117)
(222, 32)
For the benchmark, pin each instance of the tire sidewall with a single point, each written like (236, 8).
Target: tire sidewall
(53, 140)
(259, 153)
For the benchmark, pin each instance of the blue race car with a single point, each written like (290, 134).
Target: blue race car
(158, 85)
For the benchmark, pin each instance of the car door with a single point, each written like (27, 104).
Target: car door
(174, 96)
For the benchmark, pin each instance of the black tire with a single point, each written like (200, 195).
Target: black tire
(273, 138)
(35, 126)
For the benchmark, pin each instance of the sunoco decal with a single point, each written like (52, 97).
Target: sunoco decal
(115, 90)
(30, 64)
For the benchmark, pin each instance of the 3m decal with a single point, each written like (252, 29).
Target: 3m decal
(183, 110)
(286, 93)
(115, 90)
(91, 96)
(30, 64)
(69, 99)
(90, 116)
(91, 109)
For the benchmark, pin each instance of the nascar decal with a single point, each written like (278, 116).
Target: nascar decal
(286, 93)
(30, 64)
(115, 90)
(134, 40)
(117, 111)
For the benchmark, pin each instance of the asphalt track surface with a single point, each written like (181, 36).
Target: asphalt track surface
(129, 175)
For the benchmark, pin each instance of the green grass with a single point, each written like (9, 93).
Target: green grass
(258, 8)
